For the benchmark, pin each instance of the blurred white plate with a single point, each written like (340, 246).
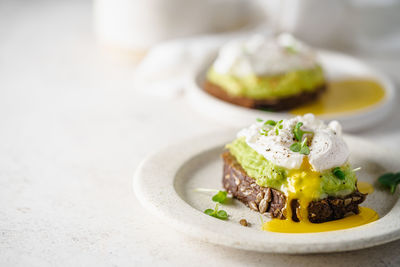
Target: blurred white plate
(336, 66)
(165, 182)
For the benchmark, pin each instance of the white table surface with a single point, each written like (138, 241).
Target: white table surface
(73, 130)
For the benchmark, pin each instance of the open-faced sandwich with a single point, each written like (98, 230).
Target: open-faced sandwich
(274, 74)
(294, 169)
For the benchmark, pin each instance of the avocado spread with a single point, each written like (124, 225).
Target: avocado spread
(268, 174)
(278, 86)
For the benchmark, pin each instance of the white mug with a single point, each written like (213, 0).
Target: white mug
(138, 24)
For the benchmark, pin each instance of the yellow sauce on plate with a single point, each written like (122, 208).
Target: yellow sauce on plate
(365, 188)
(365, 216)
(304, 185)
(345, 96)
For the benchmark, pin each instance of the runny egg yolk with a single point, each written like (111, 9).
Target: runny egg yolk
(304, 185)
(345, 96)
(365, 216)
(365, 188)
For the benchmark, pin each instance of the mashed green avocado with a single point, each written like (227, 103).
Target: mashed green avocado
(269, 175)
(278, 86)
(333, 186)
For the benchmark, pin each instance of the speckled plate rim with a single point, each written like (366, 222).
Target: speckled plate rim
(153, 185)
(237, 116)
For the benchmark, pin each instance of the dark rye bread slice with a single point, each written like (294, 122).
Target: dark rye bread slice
(273, 202)
(276, 104)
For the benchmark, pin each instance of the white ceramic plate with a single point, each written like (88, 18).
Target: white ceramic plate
(336, 66)
(164, 184)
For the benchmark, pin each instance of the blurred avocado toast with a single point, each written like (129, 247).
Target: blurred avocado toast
(295, 169)
(274, 74)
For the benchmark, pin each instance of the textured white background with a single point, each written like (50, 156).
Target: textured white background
(73, 130)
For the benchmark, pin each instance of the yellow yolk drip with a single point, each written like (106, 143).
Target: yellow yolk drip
(365, 216)
(344, 96)
(304, 184)
(365, 188)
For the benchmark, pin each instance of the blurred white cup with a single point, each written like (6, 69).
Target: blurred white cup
(138, 24)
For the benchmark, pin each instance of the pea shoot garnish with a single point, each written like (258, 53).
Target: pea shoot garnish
(278, 126)
(264, 132)
(390, 181)
(270, 122)
(298, 133)
(220, 197)
(302, 147)
(220, 214)
(338, 173)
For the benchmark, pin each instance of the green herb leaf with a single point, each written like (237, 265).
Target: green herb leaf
(278, 126)
(209, 211)
(295, 147)
(259, 120)
(304, 150)
(298, 133)
(338, 173)
(300, 147)
(220, 197)
(264, 132)
(270, 122)
(220, 214)
(390, 180)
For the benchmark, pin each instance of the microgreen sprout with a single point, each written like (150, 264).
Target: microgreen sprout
(278, 126)
(220, 197)
(270, 122)
(264, 132)
(302, 147)
(259, 120)
(338, 173)
(305, 150)
(267, 123)
(390, 180)
(295, 147)
(356, 169)
(298, 133)
(220, 214)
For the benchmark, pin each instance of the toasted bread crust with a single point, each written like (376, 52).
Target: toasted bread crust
(274, 104)
(273, 202)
